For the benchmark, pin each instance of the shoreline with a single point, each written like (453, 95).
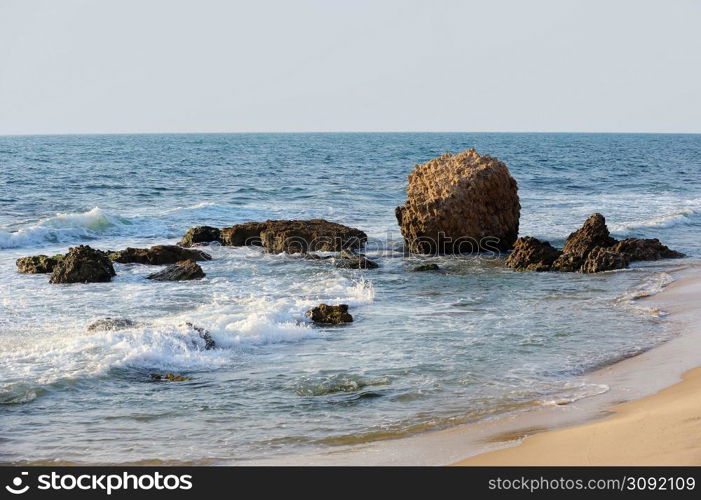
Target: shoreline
(662, 428)
(631, 382)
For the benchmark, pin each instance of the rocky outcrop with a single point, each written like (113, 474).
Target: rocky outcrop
(158, 255)
(200, 235)
(292, 236)
(604, 259)
(204, 335)
(83, 264)
(37, 264)
(460, 203)
(330, 315)
(180, 271)
(349, 260)
(593, 233)
(425, 267)
(650, 249)
(590, 249)
(531, 254)
(246, 234)
(110, 324)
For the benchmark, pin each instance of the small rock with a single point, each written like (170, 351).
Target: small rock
(330, 315)
(604, 259)
(37, 264)
(246, 234)
(426, 267)
(107, 324)
(200, 235)
(531, 254)
(349, 260)
(567, 263)
(158, 255)
(180, 271)
(83, 264)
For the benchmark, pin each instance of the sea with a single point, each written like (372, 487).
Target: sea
(426, 350)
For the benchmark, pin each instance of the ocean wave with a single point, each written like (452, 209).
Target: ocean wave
(679, 217)
(64, 228)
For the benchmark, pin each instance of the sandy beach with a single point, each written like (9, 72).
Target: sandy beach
(661, 429)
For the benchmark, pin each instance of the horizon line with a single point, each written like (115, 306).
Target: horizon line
(291, 132)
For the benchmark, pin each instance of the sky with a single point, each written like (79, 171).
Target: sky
(124, 66)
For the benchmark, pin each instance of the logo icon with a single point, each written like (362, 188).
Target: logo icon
(17, 482)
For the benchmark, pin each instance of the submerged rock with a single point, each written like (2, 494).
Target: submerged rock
(330, 315)
(531, 254)
(349, 260)
(200, 235)
(460, 203)
(425, 267)
(204, 335)
(601, 259)
(158, 255)
(37, 264)
(108, 324)
(170, 377)
(593, 233)
(83, 264)
(645, 249)
(180, 271)
(293, 236)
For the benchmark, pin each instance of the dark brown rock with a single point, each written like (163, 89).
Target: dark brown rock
(170, 377)
(37, 264)
(200, 235)
(330, 315)
(246, 234)
(460, 203)
(567, 263)
(425, 267)
(349, 260)
(531, 254)
(593, 233)
(83, 264)
(601, 259)
(314, 235)
(180, 271)
(158, 255)
(645, 249)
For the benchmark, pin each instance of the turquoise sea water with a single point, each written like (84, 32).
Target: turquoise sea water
(426, 350)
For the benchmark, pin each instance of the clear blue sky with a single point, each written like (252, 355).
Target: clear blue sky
(74, 66)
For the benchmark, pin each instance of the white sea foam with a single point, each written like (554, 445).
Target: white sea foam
(682, 216)
(63, 228)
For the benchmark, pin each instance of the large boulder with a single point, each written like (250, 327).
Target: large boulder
(459, 203)
(330, 315)
(158, 255)
(601, 259)
(180, 271)
(645, 249)
(37, 264)
(295, 236)
(531, 254)
(593, 233)
(83, 264)
(200, 235)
